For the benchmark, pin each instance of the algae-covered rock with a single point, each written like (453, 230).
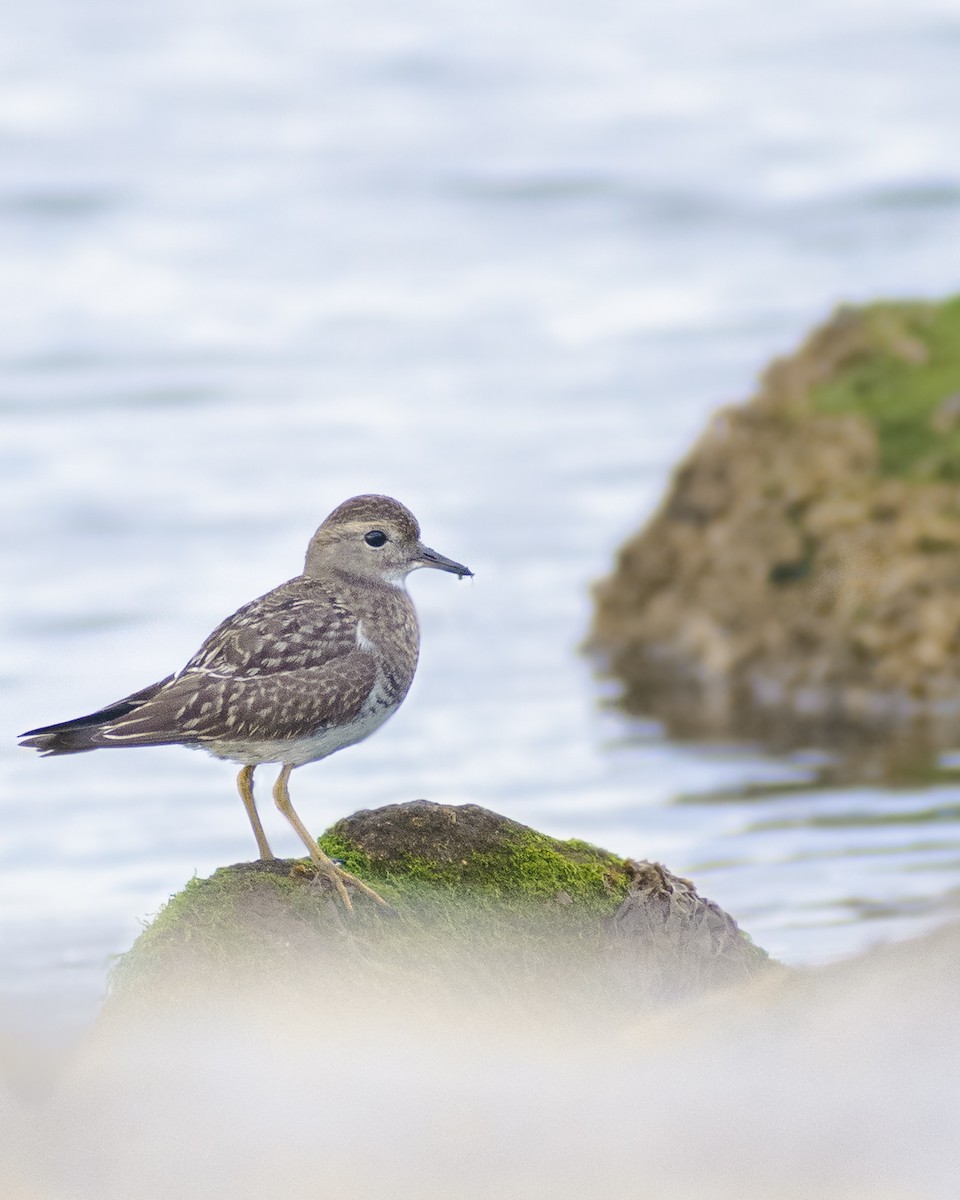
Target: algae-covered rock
(484, 907)
(803, 573)
(468, 850)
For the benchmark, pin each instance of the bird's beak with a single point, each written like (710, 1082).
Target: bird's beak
(430, 558)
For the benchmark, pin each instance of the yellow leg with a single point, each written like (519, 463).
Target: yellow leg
(337, 875)
(245, 787)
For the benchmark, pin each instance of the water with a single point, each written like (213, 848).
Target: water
(498, 261)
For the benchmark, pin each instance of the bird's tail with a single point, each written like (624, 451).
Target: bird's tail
(85, 733)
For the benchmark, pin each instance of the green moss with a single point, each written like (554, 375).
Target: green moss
(352, 858)
(213, 918)
(526, 865)
(898, 373)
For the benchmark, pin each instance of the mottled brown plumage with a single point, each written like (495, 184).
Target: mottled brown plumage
(316, 664)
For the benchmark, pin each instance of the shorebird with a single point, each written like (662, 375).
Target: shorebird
(315, 665)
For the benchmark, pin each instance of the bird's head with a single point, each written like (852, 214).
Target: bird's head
(373, 538)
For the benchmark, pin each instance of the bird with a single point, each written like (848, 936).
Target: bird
(310, 667)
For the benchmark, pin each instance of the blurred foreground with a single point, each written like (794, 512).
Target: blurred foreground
(834, 1082)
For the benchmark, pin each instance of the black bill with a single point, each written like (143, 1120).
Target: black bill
(430, 558)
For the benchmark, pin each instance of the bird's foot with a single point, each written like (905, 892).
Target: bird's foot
(341, 880)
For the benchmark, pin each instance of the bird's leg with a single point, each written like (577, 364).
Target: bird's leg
(245, 787)
(337, 875)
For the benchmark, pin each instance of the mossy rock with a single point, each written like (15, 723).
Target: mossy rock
(484, 907)
(801, 580)
(470, 851)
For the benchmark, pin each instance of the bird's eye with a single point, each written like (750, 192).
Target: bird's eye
(376, 537)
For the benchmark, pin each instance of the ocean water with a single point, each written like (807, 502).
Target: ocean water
(500, 261)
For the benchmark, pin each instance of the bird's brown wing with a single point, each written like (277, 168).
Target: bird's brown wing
(297, 625)
(201, 706)
(284, 665)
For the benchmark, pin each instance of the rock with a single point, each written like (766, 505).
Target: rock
(801, 579)
(674, 941)
(485, 907)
